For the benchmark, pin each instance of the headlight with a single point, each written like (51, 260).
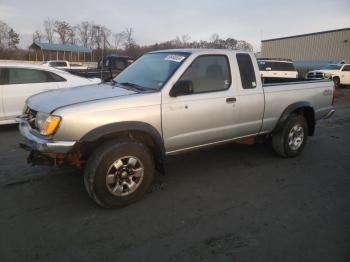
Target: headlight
(46, 123)
(327, 75)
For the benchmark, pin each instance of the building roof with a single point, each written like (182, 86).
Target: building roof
(60, 47)
(316, 33)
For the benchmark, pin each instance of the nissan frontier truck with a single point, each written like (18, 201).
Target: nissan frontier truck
(165, 103)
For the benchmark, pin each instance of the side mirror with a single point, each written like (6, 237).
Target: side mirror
(182, 87)
(268, 68)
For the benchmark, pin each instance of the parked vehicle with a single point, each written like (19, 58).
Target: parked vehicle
(19, 81)
(339, 73)
(107, 68)
(165, 103)
(276, 70)
(62, 64)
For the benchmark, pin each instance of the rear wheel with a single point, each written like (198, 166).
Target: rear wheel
(119, 173)
(291, 139)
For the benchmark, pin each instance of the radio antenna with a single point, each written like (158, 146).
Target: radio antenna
(102, 59)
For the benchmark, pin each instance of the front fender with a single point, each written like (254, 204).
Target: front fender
(127, 126)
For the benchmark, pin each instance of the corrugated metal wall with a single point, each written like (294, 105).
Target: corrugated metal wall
(323, 46)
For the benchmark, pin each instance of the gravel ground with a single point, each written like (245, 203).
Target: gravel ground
(228, 203)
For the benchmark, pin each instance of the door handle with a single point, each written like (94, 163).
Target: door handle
(231, 100)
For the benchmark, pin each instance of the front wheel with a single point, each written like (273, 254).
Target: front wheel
(291, 139)
(119, 173)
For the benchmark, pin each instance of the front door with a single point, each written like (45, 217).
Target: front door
(209, 114)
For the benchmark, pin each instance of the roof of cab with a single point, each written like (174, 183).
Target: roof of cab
(200, 51)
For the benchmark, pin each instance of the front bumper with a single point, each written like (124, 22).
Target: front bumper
(37, 143)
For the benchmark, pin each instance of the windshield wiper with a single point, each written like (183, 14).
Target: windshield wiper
(115, 83)
(141, 88)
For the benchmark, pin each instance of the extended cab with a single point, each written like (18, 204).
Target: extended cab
(166, 103)
(339, 73)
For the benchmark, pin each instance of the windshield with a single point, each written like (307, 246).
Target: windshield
(332, 67)
(152, 71)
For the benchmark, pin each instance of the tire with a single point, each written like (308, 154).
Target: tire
(297, 127)
(113, 167)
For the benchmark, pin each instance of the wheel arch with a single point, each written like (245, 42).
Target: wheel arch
(139, 131)
(303, 108)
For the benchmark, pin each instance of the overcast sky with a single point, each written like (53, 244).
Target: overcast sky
(161, 20)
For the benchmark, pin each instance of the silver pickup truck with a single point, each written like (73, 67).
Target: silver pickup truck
(165, 103)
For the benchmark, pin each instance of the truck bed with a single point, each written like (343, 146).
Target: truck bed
(317, 93)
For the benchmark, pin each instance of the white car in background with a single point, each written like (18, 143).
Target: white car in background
(20, 81)
(339, 73)
(277, 69)
(63, 64)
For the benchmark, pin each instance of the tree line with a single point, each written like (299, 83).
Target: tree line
(99, 37)
(86, 33)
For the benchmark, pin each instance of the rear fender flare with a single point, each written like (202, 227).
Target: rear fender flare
(299, 106)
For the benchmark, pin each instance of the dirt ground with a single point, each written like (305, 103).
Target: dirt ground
(228, 203)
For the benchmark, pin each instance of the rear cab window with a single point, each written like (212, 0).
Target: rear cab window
(246, 71)
(275, 66)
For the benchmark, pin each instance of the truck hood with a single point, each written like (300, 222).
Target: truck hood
(48, 101)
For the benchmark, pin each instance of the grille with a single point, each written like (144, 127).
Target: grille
(318, 75)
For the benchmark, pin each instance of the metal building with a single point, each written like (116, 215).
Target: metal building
(331, 45)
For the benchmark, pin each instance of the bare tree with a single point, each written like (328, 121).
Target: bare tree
(105, 33)
(84, 32)
(37, 36)
(214, 38)
(96, 38)
(100, 36)
(118, 39)
(72, 39)
(244, 45)
(129, 38)
(185, 38)
(4, 36)
(63, 29)
(8, 37)
(231, 43)
(49, 29)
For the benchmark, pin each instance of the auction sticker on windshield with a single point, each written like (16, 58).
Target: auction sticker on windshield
(175, 58)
